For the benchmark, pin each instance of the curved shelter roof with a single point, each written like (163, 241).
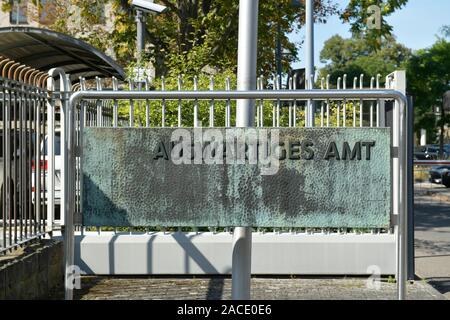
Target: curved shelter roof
(45, 49)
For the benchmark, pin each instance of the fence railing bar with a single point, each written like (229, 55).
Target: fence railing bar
(228, 104)
(322, 109)
(378, 101)
(290, 117)
(131, 110)
(211, 103)
(277, 82)
(372, 81)
(115, 85)
(180, 87)
(361, 114)
(355, 83)
(163, 103)
(328, 101)
(147, 104)
(338, 113)
(195, 103)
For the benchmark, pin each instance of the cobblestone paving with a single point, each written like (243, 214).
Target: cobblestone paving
(216, 288)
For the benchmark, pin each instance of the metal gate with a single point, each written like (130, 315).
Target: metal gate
(274, 108)
(24, 157)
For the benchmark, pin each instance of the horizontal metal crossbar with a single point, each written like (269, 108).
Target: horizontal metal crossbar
(399, 135)
(255, 94)
(432, 162)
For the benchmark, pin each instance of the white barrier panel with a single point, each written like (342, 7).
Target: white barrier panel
(210, 253)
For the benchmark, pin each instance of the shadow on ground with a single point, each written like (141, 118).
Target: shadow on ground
(440, 284)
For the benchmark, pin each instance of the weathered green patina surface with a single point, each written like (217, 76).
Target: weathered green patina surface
(327, 177)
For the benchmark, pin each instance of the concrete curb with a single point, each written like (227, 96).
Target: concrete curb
(32, 273)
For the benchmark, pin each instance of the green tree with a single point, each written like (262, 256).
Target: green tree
(428, 75)
(359, 14)
(355, 57)
(193, 34)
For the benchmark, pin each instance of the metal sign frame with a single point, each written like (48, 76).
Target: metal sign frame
(291, 174)
(399, 148)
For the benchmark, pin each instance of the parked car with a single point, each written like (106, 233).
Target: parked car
(44, 167)
(446, 149)
(437, 172)
(426, 153)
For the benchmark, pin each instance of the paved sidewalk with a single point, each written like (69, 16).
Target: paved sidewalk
(217, 288)
(432, 241)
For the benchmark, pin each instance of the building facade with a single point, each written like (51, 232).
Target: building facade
(25, 13)
(44, 14)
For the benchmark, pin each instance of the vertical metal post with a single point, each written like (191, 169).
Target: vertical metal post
(228, 107)
(195, 103)
(37, 166)
(338, 114)
(410, 137)
(180, 86)
(147, 104)
(372, 81)
(115, 85)
(140, 39)
(402, 229)
(163, 103)
(70, 196)
(211, 103)
(381, 107)
(279, 56)
(51, 156)
(400, 176)
(309, 48)
(131, 114)
(99, 87)
(344, 109)
(7, 164)
(67, 195)
(245, 117)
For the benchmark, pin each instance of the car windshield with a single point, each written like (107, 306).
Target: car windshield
(57, 145)
(440, 167)
(436, 148)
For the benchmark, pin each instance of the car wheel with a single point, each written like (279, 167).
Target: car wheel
(446, 184)
(446, 180)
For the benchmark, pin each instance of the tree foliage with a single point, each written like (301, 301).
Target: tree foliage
(428, 75)
(194, 34)
(359, 12)
(191, 34)
(354, 57)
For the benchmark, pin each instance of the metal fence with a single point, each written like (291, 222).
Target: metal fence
(193, 110)
(273, 108)
(36, 107)
(23, 101)
(220, 112)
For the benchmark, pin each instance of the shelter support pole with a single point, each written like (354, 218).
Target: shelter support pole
(309, 59)
(67, 192)
(245, 117)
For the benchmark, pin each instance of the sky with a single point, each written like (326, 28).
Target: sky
(415, 25)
